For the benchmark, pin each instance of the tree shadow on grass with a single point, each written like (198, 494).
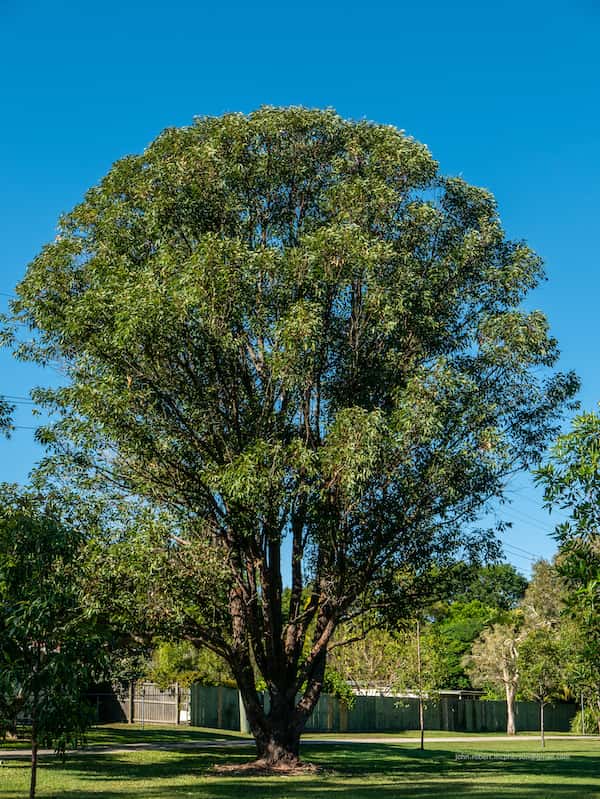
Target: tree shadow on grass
(365, 772)
(122, 735)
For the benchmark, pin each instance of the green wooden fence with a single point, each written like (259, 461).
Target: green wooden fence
(220, 708)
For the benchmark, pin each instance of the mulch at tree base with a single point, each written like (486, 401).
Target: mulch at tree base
(260, 768)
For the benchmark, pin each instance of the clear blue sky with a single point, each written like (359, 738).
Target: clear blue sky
(505, 94)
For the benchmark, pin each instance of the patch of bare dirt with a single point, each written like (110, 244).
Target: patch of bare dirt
(260, 768)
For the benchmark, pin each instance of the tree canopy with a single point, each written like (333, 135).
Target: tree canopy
(291, 333)
(571, 480)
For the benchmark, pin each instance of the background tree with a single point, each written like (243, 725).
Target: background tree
(496, 585)
(475, 596)
(293, 334)
(450, 637)
(49, 648)
(571, 480)
(544, 598)
(541, 671)
(182, 663)
(374, 660)
(493, 661)
(582, 671)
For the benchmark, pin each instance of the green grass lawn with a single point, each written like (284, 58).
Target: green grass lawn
(570, 770)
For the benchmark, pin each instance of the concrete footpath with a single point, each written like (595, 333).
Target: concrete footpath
(233, 743)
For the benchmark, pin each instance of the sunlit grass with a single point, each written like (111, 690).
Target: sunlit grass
(570, 769)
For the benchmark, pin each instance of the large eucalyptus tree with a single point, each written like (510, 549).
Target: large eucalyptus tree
(293, 333)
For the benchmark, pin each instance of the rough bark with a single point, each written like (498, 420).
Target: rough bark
(278, 725)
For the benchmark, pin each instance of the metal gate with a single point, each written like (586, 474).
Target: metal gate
(143, 703)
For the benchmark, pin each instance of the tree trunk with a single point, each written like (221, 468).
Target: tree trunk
(34, 758)
(277, 728)
(281, 744)
(542, 725)
(511, 728)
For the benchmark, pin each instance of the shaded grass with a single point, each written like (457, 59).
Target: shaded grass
(359, 771)
(125, 734)
(118, 734)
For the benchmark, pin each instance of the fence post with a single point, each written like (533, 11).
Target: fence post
(244, 726)
(131, 703)
(343, 717)
(220, 707)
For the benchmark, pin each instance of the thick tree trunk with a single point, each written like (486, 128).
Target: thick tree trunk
(276, 729)
(280, 745)
(260, 640)
(511, 728)
(278, 726)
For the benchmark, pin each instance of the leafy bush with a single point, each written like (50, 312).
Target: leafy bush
(591, 718)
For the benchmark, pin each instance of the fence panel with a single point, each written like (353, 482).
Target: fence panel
(143, 703)
(220, 708)
(215, 707)
(152, 705)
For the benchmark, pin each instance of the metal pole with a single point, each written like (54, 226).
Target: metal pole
(131, 702)
(421, 718)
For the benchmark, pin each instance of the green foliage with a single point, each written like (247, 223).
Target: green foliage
(571, 480)
(541, 673)
(181, 662)
(50, 650)
(544, 599)
(450, 637)
(335, 684)
(496, 585)
(289, 325)
(6, 411)
(492, 663)
(374, 658)
(591, 721)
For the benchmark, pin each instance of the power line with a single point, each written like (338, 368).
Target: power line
(520, 549)
(526, 516)
(514, 553)
(524, 497)
(527, 522)
(13, 401)
(529, 561)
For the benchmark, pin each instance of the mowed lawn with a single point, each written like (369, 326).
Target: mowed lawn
(568, 769)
